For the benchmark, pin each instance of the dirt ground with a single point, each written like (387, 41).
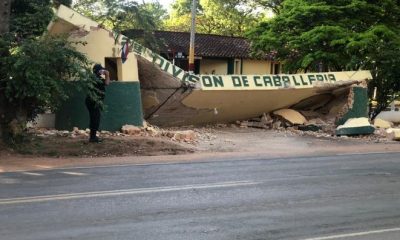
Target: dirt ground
(211, 142)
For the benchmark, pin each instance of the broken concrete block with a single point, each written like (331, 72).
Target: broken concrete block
(81, 132)
(316, 121)
(309, 127)
(393, 134)
(396, 135)
(355, 126)
(152, 131)
(266, 119)
(291, 116)
(380, 123)
(390, 116)
(256, 125)
(131, 130)
(310, 114)
(277, 125)
(187, 135)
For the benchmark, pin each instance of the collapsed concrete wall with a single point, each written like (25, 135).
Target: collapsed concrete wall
(169, 101)
(171, 96)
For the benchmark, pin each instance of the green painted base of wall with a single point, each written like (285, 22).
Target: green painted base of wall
(360, 105)
(122, 106)
(365, 130)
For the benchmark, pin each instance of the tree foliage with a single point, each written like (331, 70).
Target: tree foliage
(120, 15)
(312, 35)
(224, 17)
(274, 5)
(34, 67)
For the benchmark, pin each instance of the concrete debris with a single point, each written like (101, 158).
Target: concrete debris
(291, 116)
(152, 131)
(393, 134)
(186, 136)
(277, 125)
(266, 119)
(380, 123)
(310, 114)
(317, 121)
(355, 126)
(310, 127)
(131, 130)
(390, 116)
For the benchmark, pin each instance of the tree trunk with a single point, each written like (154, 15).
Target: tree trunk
(2, 113)
(5, 6)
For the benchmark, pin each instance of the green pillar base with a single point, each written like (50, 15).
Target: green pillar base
(360, 105)
(122, 106)
(351, 131)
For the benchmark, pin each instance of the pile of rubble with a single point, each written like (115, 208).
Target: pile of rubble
(318, 125)
(187, 136)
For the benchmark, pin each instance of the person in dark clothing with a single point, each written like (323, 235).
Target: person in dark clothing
(96, 94)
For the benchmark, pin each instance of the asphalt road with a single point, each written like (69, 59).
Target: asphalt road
(340, 197)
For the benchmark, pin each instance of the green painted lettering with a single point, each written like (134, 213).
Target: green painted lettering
(167, 64)
(267, 81)
(286, 81)
(193, 78)
(311, 79)
(176, 71)
(218, 81)
(245, 81)
(332, 77)
(256, 78)
(236, 81)
(207, 81)
(137, 48)
(302, 81)
(295, 81)
(277, 81)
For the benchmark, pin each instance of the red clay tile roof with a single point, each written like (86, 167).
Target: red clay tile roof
(206, 45)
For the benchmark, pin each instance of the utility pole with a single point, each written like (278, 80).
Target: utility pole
(192, 37)
(5, 6)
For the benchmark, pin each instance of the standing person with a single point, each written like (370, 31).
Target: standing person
(94, 98)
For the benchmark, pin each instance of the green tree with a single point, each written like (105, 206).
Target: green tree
(120, 15)
(312, 35)
(34, 68)
(224, 17)
(274, 5)
(156, 12)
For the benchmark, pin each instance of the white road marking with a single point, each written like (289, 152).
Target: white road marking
(364, 153)
(74, 173)
(32, 174)
(43, 166)
(355, 234)
(4, 180)
(122, 192)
